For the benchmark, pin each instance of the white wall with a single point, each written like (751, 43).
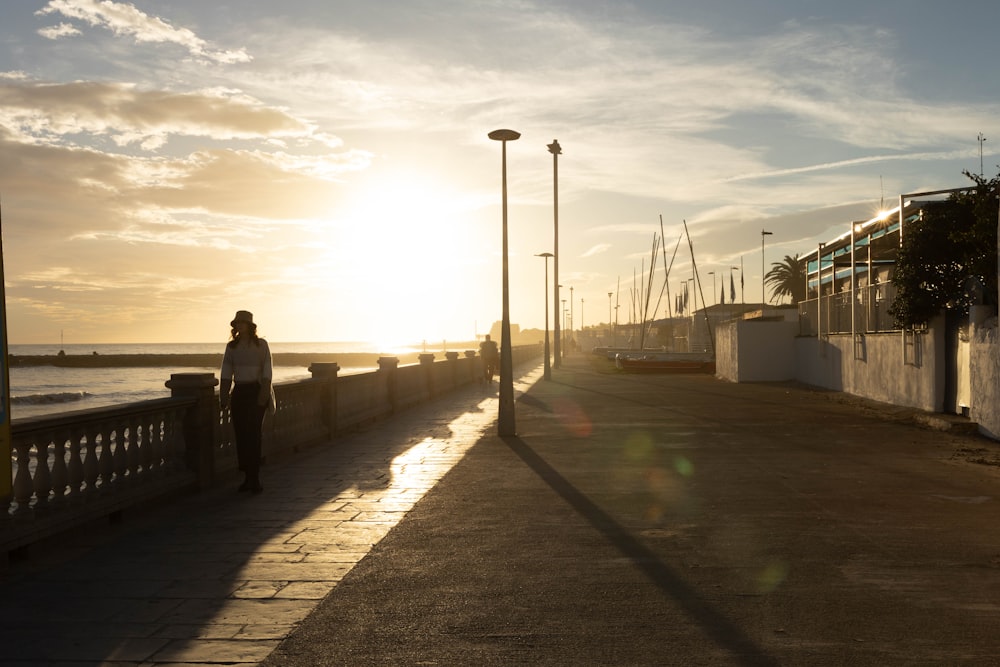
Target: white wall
(756, 350)
(985, 378)
(877, 366)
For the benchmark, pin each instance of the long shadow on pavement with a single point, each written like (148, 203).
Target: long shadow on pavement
(717, 626)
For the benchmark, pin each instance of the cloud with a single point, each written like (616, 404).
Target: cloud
(126, 20)
(61, 30)
(597, 250)
(35, 110)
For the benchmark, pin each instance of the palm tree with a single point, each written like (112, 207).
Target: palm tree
(787, 278)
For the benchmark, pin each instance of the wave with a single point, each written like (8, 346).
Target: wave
(49, 399)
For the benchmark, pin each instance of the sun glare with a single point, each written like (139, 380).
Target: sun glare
(411, 245)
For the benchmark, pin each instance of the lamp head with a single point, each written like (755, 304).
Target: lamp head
(504, 135)
(546, 255)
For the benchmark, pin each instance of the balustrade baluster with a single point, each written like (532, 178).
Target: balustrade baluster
(60, 476)
(75, 464)
(107, 462)
(43, 476)
(151, 425)
(135, 447)
(121, 454)
(23, 485)
(90, 468)
(116, 456)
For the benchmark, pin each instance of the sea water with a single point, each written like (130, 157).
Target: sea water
(44, 390)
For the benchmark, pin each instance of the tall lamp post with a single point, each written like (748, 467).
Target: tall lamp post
(763, 296)
(609, 315)
(572, 324)
(548, 368)
(556, 150)
(506, 420)
(714, 297)
(564, 311)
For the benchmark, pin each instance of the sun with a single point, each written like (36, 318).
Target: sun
(413, 246)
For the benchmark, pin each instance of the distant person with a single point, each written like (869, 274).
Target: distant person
(491, 358)
(246, 370)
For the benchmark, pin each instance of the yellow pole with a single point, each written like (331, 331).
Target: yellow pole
(6, 452)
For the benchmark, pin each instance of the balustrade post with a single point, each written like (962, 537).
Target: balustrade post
(199, 421)
(427, 366)
(387, 366)
(452, 358)
(474, 372)
(326, 372)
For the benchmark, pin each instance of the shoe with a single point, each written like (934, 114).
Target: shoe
(245, 486)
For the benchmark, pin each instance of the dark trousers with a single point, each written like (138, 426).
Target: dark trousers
(248, 418)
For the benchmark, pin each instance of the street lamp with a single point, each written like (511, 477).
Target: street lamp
(548, 369)
(609, 313)
(505, 420)
(556, 150)
(712, 273)
(571, 323)
(564, 311)
(763, 297)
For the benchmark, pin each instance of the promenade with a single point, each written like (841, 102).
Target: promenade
(634, 520)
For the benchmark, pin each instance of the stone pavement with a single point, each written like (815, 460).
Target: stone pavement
(222, 578)
(634, 520)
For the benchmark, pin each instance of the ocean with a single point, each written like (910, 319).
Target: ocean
(45, 390)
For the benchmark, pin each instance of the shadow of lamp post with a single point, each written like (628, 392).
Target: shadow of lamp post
(506, 421)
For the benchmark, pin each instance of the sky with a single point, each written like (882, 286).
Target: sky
(326, 165)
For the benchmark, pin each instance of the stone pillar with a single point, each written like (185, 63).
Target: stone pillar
(199, 422)
(475, 371)
(326, 372)
(452, 358)
(387, 366)
(427, 364)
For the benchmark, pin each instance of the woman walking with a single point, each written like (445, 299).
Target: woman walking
(246, 370)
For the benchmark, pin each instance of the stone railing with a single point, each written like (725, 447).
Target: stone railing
(79, 466)
(100, 462)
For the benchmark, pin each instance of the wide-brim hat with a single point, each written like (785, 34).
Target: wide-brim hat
(242, 316)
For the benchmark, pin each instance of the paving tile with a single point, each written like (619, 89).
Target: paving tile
(305, 590)
(216, 651)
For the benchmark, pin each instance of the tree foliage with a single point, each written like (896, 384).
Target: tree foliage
(948, 244)
(787, 278)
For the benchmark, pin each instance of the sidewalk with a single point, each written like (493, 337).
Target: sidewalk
(635, 520)
(222, 578)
